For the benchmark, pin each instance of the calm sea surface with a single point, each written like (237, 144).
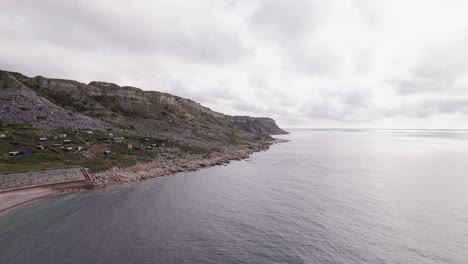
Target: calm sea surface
(327, 196)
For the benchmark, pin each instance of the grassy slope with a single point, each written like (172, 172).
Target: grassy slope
(91, 156)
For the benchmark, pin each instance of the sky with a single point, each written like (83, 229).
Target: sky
(305, 63)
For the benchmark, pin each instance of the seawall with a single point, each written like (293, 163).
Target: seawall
(18, 188)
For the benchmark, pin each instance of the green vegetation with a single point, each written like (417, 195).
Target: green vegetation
(90, 156)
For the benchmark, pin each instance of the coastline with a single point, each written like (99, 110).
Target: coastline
(168, 165)
(163, 166)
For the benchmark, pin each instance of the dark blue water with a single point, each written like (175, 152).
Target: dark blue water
(327, 196)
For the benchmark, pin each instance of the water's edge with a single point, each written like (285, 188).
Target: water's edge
(149, 170)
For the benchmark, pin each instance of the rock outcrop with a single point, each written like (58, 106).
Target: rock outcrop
(20, 104)
(256, 124)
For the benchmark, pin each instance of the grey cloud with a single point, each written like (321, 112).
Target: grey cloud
(292, 26)
(427, 108)
(438, 72)
(444, 106)
(284, 20)
(297, 61)
(87, 25)
(347, 107)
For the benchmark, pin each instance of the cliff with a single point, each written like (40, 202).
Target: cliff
(54, 103)
(263, 125)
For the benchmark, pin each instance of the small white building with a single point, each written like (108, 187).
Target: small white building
(13, 153)
(42, 139)
(107, 152)
(154, 145)
(40, 147)
(149, 147)
(62, 135)
(2, 135)
(89, 132)
(118, 139)
(69, 149)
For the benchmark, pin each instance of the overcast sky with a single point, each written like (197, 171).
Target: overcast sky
(306, 63)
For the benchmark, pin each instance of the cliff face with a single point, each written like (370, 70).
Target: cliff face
(55, 103)
(20, 104)
(264, 125)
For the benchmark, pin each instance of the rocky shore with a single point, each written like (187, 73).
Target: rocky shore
(167, 165)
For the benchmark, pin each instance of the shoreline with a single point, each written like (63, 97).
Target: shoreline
(165, 166)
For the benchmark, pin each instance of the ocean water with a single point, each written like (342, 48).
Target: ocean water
(327, 196)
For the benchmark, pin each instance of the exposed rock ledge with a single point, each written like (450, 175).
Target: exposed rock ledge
(168, 165)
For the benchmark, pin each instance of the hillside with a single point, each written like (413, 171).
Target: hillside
(33, 107)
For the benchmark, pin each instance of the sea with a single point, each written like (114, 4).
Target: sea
(326, 196)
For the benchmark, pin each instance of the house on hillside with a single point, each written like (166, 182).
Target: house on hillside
(69, 149)
(2, 135)
(149, 147)
(89, 132)
(57, 145)
(154, 145)
(129, 146)
(117, 139)
(13, 153)
(67, 141)
(42, 139)
(107, 152)
(62, 135)
(40, 147)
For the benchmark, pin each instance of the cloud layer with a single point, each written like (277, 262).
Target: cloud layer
(306, 63)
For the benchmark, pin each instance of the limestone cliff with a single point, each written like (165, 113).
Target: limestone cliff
(53, 103)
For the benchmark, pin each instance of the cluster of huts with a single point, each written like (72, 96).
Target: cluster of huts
(66, 144)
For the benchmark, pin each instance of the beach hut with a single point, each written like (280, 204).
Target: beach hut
(13, 153)
(118, 139)
(42, 139)
(107, 152)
